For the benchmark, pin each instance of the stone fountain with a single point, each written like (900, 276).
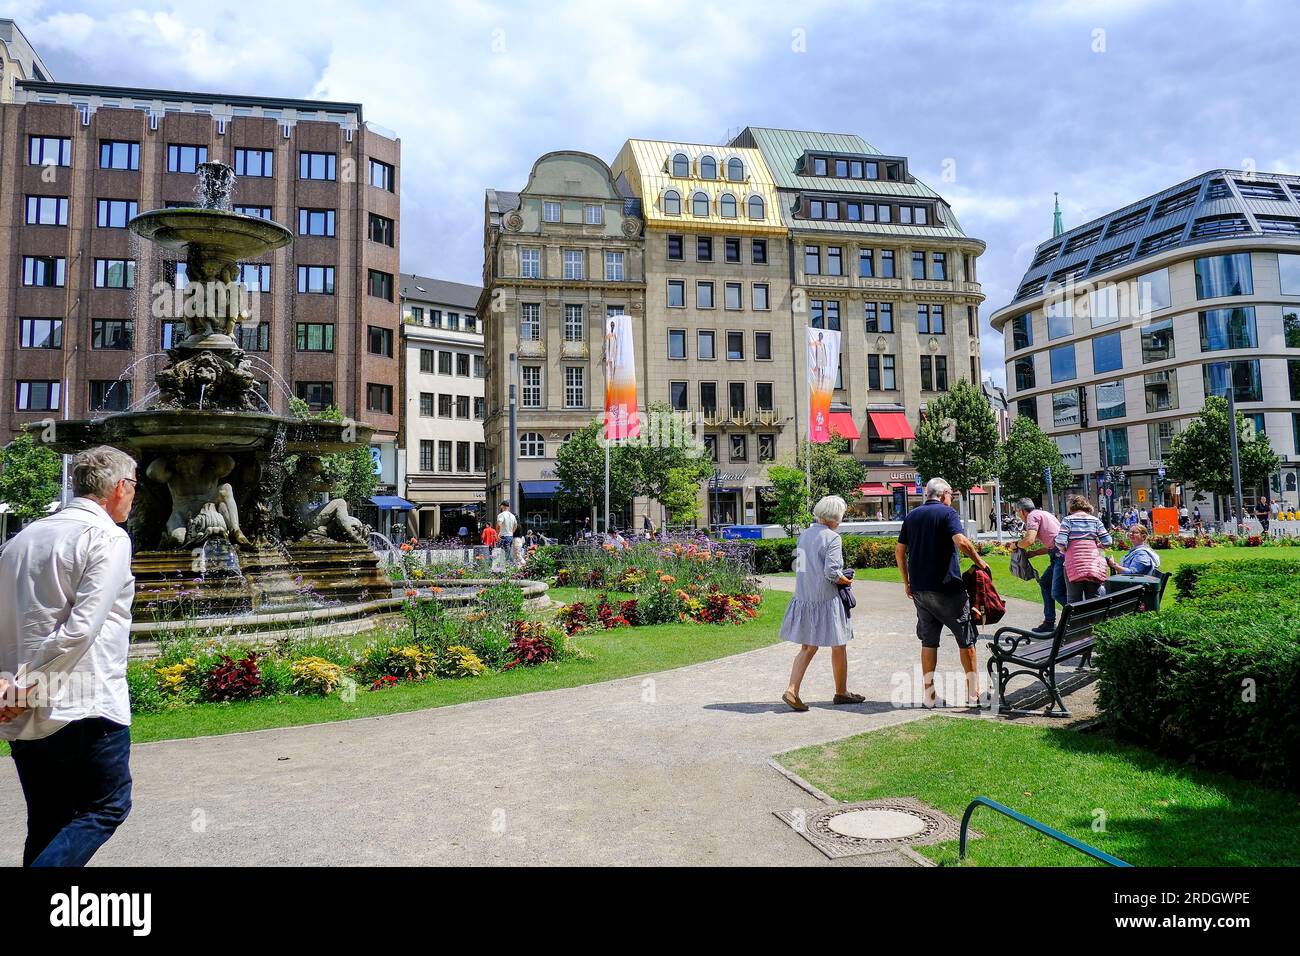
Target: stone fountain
(232, 510)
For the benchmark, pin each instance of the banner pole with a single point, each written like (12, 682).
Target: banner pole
(606, 487)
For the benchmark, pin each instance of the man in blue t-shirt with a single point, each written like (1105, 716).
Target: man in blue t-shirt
(928, 555)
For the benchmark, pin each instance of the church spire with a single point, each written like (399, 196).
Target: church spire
(1057, 228)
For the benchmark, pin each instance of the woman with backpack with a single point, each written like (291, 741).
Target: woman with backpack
(1082, 537)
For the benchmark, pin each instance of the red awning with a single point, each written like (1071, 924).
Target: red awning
(891, 425)
(977, 490)
(877, 490)
(841, 423)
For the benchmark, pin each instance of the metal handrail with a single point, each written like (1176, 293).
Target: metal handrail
(1030, 822)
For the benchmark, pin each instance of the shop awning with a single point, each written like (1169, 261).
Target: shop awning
(875, 490)
(891, 425)
(841, 423)
(977, 490)
(391, 503)
(539, 489)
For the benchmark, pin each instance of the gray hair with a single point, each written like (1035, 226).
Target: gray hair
(936, 488)
(1025, 504)
(96, 471)
(830, 508)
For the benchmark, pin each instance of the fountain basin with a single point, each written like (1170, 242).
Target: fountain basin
(220, 233)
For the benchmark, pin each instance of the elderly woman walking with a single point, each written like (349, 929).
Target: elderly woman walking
(1082, 537)
(817, 617)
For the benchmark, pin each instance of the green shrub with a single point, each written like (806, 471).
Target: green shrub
(315, 675)
(459, 661)
(1215, 678)
(773, 555)
(543, 562)
(142, 685)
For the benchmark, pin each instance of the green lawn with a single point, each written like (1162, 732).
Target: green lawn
(606, 655)
(1156, 812)
(1170, 560)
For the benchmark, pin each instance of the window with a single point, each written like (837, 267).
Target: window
(756, 209)
(462, 364)
(1071, 447)
(824, 313)
(1113, 445)
(941, 373)
(758, 251)
(812, 260)
(1160, 439)
(613, 267)
(880, 372)
(530, 263)
(739, 448)
(37, 396)
(444, 363)
(1062, 362)
(40, 333)
(172, 333)
(462, 406)
(427, 358)
(1110, 401)
(1024, 373)
(735, 346)
(186, 159)
(704, 344)
(735, 170)
(677, 395)
(381, 176)
(573, 268)
(676, 294)
(681, 165)
(1060, 318)
(462, 456)
(316, 165)
(380, 341)
(115, 334)
(48, 211)
(119, 154)
(381, 230)
(1245, 379)
(478, 366)
(315, 337)
(834, 261)
(1158, 341)
(315, 222)
(672, 203)
(711, 447)
(677, 343)
(1153, 291)
(254, 162)
(1224, 275)
(575, 394)
(732, 296)
(1022, 332)
(703, 249)
(918, 265)
(1106, 353)
(532, 445)
(674, 247)
(1065, 408)
(708, 167)
(444, 406)
(867, 263)
(426, 455)
(736, 393)
(317, 395)
(731, 246)
(261, 212)
(531, 376)
(887, 263)
(763, 346)
(704, 295)
(593, 214)
(1228, 329)
(480, 407)
(109, 395)
(49, 271)
(426, 403)
(379, 398)
(1288, 267)
(255, 277)
(767, 448)
(381, 285)
(1028, 408)
(927, 376)
(699, 205)
(50, 151)
(1161, 391)
(114, 273)
(727, 206)
(708, 396)
(316, 279)
(929, 319)
(1293, 377)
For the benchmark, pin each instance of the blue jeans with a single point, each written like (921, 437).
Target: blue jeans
(77, 783)
(1052, 584)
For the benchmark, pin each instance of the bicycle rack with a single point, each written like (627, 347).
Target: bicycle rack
(1033, 824)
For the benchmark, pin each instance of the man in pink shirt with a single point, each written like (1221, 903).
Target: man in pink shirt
(1041, 528)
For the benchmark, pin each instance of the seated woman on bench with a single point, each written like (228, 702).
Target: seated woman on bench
(1140, 559)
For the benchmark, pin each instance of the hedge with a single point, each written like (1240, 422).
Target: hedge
(1214, 679)
(777, 554)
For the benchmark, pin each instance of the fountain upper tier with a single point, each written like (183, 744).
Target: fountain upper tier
(217, 234)
(157, 430)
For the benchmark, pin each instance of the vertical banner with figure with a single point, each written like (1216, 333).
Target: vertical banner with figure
(621, 418)
(823, 364)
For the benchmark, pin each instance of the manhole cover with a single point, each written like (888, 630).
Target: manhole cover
(877, 824)
(874, 826)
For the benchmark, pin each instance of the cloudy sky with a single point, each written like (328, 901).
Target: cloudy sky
(1104, 101)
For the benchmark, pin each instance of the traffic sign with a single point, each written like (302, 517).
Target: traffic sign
(1160, 472)
(1109, 492)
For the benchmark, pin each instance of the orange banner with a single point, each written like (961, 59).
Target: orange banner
(823, 364)
(621, 418)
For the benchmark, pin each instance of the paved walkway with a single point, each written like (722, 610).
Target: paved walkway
(669, 768)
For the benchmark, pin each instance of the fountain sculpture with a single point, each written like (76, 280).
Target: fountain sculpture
(220, 522)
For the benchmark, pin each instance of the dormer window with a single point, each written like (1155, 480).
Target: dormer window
(735, 169)
(681, 165)
(672, 203)
(756, 209)
(728, 206)
(708, 167)
(819, 166)
(699, 205)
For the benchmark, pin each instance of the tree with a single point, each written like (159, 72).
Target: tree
(666, 450)
(681, 496)
(965, 452)
(352, 473)
(834, 470)
(580, 469)
(790, 497)
(30, 477)
(1026, 458)
(1201, 455)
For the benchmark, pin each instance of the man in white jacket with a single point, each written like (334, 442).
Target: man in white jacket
(65, 619)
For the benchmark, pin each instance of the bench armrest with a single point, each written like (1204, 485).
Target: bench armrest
(1020, 636)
